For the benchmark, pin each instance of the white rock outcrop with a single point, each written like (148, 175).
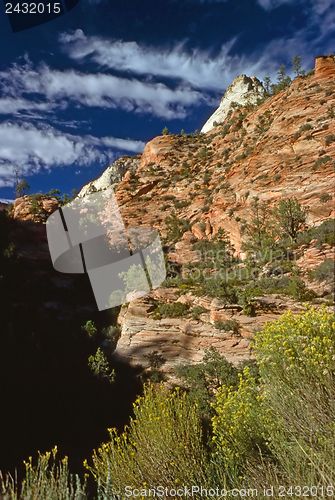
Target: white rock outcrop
(111, 176)
(243, 91)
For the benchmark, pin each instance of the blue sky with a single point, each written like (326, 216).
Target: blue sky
(103, 79)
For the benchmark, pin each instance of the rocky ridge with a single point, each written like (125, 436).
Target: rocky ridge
(281, 148)
(111, 176)
(284, 147)
(243, 91)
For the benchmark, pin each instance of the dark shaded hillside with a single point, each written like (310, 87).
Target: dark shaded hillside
(49, 396)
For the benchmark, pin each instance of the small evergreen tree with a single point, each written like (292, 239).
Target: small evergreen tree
(21, 188)
(297, 66)
(267, 85)
(260, 230)
(165, 131)
(291, 217)
(99, 366)
(283, 80)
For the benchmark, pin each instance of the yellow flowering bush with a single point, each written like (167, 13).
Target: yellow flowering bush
(163, 445)
(304, 343)
(48, 479)
(237, 423)
(296, 358)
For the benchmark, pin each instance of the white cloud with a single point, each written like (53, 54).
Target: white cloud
(123, 144)
(12, 105)
(197, 68)
(321, 6)
(99, 90)
(29, 149)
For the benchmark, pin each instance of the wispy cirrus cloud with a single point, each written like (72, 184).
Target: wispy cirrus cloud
(199, 68)
(16, 106)
(29, 148)
(101, 90)
(123, 144)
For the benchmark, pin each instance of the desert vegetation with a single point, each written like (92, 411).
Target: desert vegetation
(269, 423)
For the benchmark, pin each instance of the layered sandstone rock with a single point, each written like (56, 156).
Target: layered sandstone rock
(281, 148)
(184, 340)
(325, 66)
(285, 147)
(312, 256)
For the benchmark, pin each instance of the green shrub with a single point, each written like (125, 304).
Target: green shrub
(330, 139)
(197, 311)
(216, 253)
(90, 329)
(204, 379)
(260, 230)
(325, 271)
(297, 66)
(325, 197)
(176, 227)
(181, 203)
(305, 127)
(100, 367)
(21, 188)
(231, 325)
(174, 310)
(321, 161)
(203, 153)
(155, 359)
(249, 309)
(291, 217)
(218, 288)
(297, 289)
(324, 233)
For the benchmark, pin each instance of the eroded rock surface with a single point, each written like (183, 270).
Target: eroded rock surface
(185, 340)
(282, 148)
(243, 91)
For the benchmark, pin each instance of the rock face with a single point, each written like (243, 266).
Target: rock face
(281, 148)
(312, 256)
(184, 340)
(324, 66)
(243, 91)
(111, 176)
(28, 208)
